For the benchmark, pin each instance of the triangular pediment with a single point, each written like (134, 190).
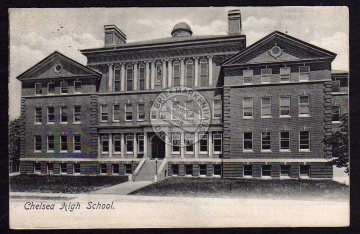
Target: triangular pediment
(278, 47)
(57, 65)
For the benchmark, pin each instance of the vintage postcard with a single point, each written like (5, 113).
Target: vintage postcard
(179, 117)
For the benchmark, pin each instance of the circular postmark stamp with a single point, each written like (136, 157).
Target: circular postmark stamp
(180, 110)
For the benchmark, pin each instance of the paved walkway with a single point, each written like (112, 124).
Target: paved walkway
(123, 188)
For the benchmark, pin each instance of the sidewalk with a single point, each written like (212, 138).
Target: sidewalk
(123, 188)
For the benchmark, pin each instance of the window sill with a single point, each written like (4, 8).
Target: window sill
(129, 153)
(104, 153)
(50, 151)
(336, 122)
(76, 122)
(266, 117)
(77, 151)
(203, 153)
(304, 150)
(116, 121)
(175, 152)
(37, 123)
(189, 152)
(37, 151)
(128, 120)
(301, 116)
(117, 153)
(248, 151)
(217, 152)
(63, 122)
(285, 151)
(104, 121)
(141, 120)
(63, 152)
(265, 151)
(288, 81)
(50, 123)
(247, 83)
(248, 117)
(285, 117)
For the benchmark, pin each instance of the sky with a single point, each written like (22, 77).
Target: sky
(36, 33)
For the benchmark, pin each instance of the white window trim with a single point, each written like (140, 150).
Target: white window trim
(287, 81)
(261, 77)
(67, 115)
(284, 150)
(129, 67)
(76, 122)
(193, 139)
(138, 143)
(142, 65)
(138, 112)
(63, 173)
(37, 151)
(207, 148)
(213, 143)
(67, 87)
(252, 141)
(262, 116)
(252, 112)
(132, 113)
(48, 88)
(101, 113)
(47, 144)
(76, 173)
(189, 62)
(336, 121)
(113, 145)
(266, 176)
(40, 89)
(265, 150)
(76, 151)
(252, 77)
(102, 173)
(47, 115)
(37, 123)
(113, 114)
(284, 116)
(172, 140)
(102, 145)
(63, 151)
(151, 116)
(308, 104)
(214, 109)
(304, 73)
(305, 150)
(77, 81)
(126, 139)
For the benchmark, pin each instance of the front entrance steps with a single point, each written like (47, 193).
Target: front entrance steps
(147, 171)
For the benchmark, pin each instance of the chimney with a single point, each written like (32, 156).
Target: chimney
(114, 36)
(234, 21)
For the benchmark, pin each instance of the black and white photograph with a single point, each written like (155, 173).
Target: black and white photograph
(182, 117)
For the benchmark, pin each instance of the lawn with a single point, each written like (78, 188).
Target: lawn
(247, 188)
(62, 184)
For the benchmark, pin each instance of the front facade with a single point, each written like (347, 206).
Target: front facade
(270, 104)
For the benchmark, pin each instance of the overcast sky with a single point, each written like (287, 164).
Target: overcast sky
(36, 33)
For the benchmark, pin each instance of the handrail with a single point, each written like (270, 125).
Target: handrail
(160, 173)
(138, 168)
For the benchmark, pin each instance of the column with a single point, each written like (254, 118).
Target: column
(196, 145)
(196, 75)
(99, 146)
(182, 145)
(182, 72)
(167, 146)
(147, 76)
(164, 74)
(145, 145)
(110, 145)
(210, 70)
(169, 73)
(122, 142)
(135, 76)
(110, 77)
(135, 146)
(210, 143)
(153, 75)
(122, 77)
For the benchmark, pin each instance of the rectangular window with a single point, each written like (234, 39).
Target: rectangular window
(38, 115)
(304, 140)
(285, 170)
(51, 88)
(50, 167)
(217, 143)
(128, 112)
(265, 107)
(117, 79)
(248, 76)
(37, 143)
(175, 143)
(103, 169)
(217, 109)
(304, 73)
(188, 169)
(153, 115)
(189, 142)
(104, 143)
(204, 80)
(175, 169)
(304, 105)
(284, 141)
(284, 106)
(51, 115)
(189, 73)
(265, 141)
(335, 110)
(117, 143)
(248, 141)
(63, 168)
(141, 143)
(141, 112)
(176, 73)
(38, 88)
(336, 86)
(284, 74)
(128, 168)
(248, 107)
(129, 78)
(77, 168)
(265, 170)
(203, 143)
(189, 110)
(116, 113)
(129, 143)
(63, 144)
(50, 143)
(115, 168)
(142, 77)
(63, 87)
(77, 143)
(104, 110)
(203, 169)
(247, 170)
(266, 75)
(77, 114)
(304, 170)
(63, 114)
(77, 86)
(217, 170)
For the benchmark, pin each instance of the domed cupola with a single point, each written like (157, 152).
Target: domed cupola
(181, 30)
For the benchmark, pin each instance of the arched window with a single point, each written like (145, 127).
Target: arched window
(204, 71)
(142, 77)
(158, 74)
(117, 77)
(189, 73)
(129, 77)
(176, 73)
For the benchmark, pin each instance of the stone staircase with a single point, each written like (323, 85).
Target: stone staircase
(147, 171)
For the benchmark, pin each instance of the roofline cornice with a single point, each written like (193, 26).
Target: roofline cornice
(61, 77)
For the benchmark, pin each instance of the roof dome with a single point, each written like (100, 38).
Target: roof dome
(181, 29)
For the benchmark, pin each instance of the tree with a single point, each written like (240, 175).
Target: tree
(339, 141)
(14, 141)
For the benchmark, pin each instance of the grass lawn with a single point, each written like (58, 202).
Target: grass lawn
(247, 188)
(62, 184)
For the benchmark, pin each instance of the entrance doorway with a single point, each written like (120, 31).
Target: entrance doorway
(157, 147)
